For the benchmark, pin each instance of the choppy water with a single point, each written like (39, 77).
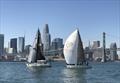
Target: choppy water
(17, 72)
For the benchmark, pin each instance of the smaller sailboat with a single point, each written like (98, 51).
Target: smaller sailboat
(74, 53)
(36, 57)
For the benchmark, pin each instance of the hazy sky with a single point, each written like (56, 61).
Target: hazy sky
(92, 17)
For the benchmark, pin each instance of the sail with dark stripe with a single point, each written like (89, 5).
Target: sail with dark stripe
(36, 51)
(80, 50)
(39, 47)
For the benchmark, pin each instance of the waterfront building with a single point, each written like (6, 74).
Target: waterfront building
(57, 46)
(57, 43)
(9, 57)
(46, 39)
(96, 51)
(21, 44)
(96, 44)
(88, 53)
(10, 51)
(13, 44)
(113, 52)
(1, 44)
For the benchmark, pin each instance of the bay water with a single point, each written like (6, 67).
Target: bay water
(18, 72)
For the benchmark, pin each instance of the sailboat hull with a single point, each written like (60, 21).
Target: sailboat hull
(39, 63)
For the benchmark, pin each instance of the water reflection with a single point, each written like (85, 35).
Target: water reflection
(58, 73)
(38, 74)
(12, 72)
(74, 75)
(35, 69)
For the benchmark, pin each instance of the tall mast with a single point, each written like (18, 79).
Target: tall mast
(104, 47)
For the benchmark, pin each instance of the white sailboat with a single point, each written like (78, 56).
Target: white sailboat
(74, 53)
(36, 57)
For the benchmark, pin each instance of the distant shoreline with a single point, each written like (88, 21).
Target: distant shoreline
(13, 61)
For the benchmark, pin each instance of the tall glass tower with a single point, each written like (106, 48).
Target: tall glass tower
(46, 39)
(13, 44)
(1, 44)
(21, 44)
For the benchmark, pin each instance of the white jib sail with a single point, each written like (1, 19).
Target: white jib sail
(70, 48)
(32, 55)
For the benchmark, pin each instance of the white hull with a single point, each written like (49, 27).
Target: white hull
(79, 66)
(38, 64)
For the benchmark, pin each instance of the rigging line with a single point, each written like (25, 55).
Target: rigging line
(98, 37)
(113, 36)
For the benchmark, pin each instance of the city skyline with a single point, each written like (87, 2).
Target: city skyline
(19, 18)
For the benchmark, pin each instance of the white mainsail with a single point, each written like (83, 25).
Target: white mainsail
(73, 49)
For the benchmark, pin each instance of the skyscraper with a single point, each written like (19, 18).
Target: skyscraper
(21, 44)
(46, 38)
(96, 44)
(13, 44)
(57, 43)
(57, 46)
(1, 44)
